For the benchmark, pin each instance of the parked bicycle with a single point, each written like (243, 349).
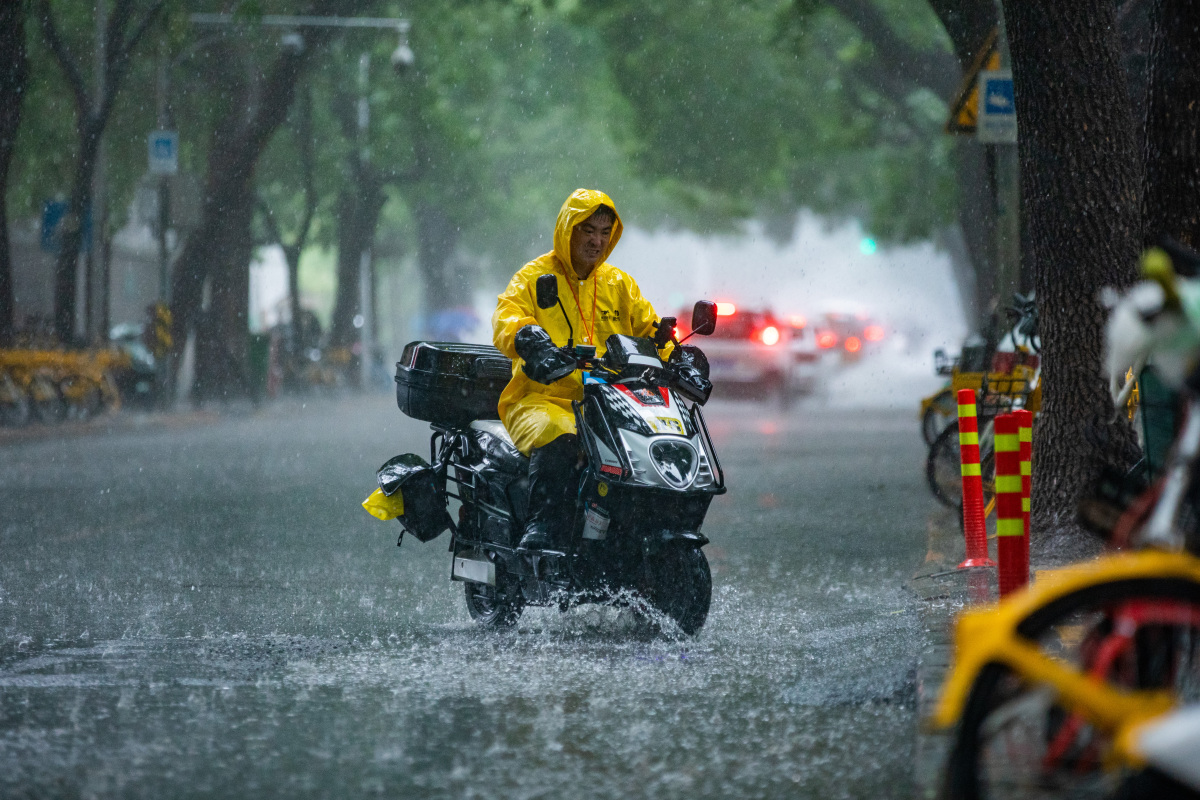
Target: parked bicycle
(1011, 383)
(978, 356)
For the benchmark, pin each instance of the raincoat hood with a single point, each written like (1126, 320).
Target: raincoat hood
(579, 206)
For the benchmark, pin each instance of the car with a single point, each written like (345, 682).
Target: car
(806, 355)
(849, 334)
(754, 353)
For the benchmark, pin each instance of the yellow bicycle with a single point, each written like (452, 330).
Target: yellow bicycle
(1049, 689)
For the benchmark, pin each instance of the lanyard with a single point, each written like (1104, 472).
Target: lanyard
(589, 332)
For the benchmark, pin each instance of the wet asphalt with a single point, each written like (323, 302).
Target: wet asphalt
(197, 606)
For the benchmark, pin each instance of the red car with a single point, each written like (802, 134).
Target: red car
(754, 353)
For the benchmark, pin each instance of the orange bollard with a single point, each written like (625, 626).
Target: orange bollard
(974, 528)
(1025, 434)
(1010, 518)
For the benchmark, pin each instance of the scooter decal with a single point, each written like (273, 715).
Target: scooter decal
(642, 396)
(670, 424)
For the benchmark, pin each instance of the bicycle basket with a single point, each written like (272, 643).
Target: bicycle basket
(1002, 392)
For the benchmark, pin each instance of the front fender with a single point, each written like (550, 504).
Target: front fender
(990, 635)
(663, 538)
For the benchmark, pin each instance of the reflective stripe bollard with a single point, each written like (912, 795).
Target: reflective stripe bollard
(1025, 434)
(1010, 518)
(974, 529)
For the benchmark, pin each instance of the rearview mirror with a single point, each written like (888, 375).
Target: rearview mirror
(547, 291)
(704, 317)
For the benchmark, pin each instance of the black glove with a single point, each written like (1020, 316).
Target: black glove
(689, 373)
(544, 361)
(691, 356)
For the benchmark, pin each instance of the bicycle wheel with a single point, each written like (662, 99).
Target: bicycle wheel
(941, 411)
(1015, 741)
(943, 466)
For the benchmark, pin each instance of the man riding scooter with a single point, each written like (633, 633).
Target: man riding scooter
(599, 300)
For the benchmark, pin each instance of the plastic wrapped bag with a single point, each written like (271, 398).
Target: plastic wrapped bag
(409, 490)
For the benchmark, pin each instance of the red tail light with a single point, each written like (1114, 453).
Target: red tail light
(873, 333)
(853, 345)
(769, 335)
(726, 309)
(826, 340)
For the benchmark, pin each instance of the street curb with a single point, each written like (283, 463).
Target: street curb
(942, 592)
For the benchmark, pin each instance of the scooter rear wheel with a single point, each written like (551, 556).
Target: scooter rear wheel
(498, 606)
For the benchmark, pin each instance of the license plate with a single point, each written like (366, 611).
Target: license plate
(475, 571)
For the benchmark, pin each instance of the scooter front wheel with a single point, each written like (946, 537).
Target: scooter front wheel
(498, 606)
(682, 586)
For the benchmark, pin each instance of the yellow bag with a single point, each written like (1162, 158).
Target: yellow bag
(380, 506)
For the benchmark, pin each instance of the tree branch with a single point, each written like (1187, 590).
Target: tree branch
(66, 61)
(968, 23)
(269, 220)
(931, 69)
(119, 53)
(304, 143)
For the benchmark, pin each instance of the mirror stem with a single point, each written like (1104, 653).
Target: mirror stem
(570, 330)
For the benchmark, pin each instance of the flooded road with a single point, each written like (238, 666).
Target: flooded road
(204, 609)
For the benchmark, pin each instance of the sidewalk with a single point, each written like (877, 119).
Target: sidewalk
(127, 419)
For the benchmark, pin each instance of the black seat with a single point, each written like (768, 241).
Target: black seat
(495, 442)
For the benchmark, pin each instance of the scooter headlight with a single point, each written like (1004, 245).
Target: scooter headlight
(675, 461)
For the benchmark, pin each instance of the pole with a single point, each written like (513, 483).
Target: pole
(1010, 518)
(364, 301)
(96, 275)
(364, 260)
(1025, 435)
(164, 186)
(974, 525)
(1008, 200)
(1008, 223)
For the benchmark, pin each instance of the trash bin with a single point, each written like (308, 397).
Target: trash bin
(259, 358)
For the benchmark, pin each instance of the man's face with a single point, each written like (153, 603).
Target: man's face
(588, 240)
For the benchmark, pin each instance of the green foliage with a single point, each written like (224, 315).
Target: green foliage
(772, 106)
(691, 113)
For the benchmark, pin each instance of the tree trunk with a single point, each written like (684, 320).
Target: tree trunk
(91, 118)
(1080, 184)
(293, 250)
(359, 208)
(14, 76)
(437, 237)
(1171, 203)
(222, 246)
(66, 264)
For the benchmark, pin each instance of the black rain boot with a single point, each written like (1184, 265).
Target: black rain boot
(551, 489)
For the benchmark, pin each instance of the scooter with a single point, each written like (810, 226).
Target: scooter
(649, 471)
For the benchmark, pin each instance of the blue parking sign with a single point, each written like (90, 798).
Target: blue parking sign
(997, 122)
(164, 152)
(998, 96)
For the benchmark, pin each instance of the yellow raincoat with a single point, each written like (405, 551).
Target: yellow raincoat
(606, 302)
